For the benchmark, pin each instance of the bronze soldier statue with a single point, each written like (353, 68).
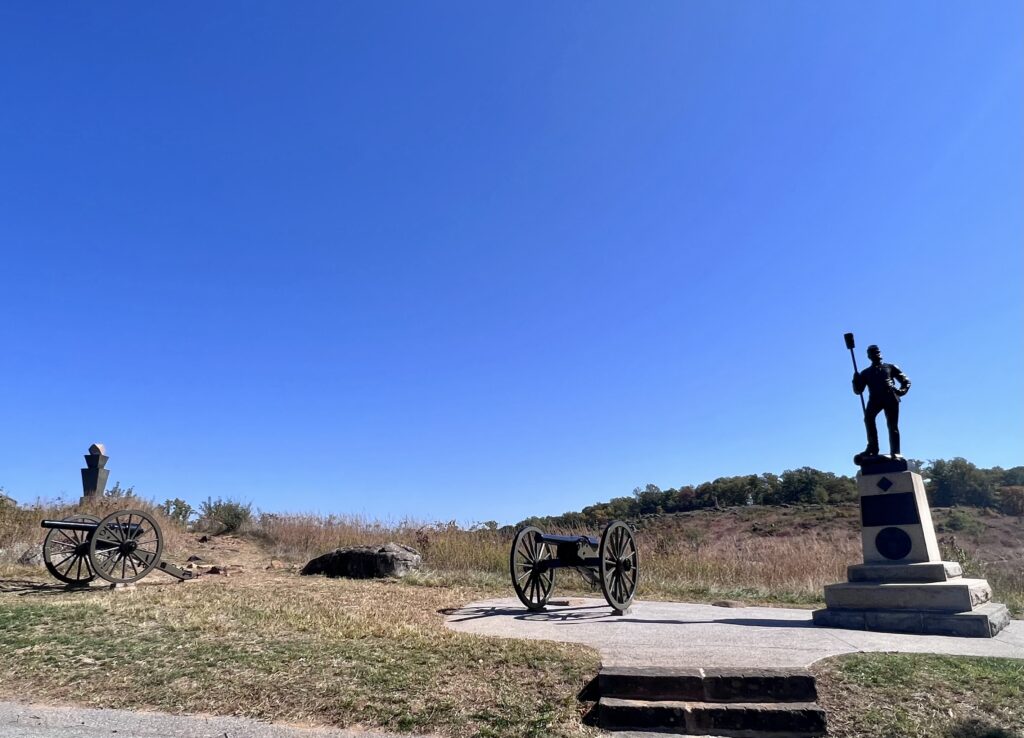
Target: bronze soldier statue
(884, 396)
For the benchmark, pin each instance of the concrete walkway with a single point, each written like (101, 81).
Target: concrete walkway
(20, 720)
(702, 636)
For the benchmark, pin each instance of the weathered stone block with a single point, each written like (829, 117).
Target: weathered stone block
(928, 571)
(644, 683)
(759, 685)
(984, 621)
(792, 719)
(709, 685)
(958, 595)
(849, 619)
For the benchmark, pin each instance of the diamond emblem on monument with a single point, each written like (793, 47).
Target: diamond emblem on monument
(884, 484)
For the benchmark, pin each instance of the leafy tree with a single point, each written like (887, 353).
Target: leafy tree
(649, 500)
(1011, 500)
(959, 482)
(1012, 477)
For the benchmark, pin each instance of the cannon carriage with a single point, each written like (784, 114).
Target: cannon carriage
(611, 561)
(121, 548)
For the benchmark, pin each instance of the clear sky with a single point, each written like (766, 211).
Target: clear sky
(483, 261)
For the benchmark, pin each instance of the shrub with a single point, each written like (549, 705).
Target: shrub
(961, 521)
(117, 492)
(178, 510)
(224, 516)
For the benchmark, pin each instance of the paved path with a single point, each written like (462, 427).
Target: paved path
(684, 635)
(18, 720)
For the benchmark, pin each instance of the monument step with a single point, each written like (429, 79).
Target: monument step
(731, 720)
(958, 595)
(929, 571)
(984, 621)
(707, 685)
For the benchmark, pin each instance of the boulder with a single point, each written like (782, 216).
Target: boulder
(365, 562)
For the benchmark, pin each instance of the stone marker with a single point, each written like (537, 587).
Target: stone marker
(94, 475)
(365, 562)
(903, 586)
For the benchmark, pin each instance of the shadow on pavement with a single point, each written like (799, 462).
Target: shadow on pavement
(600, 614)
(29, 586)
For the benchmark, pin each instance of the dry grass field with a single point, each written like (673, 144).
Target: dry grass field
(770, 555)
(273, 646)
(264, 642)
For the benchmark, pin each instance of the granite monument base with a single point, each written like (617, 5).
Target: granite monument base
(903, 586)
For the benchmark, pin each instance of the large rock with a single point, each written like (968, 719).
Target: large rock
(365, 562)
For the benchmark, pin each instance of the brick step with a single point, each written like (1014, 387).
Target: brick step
(707, 685)
(730, 720)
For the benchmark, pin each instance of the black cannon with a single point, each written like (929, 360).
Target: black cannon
(611, 561)
(122, 548)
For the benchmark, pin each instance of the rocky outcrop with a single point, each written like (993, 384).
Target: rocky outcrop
(366, 562)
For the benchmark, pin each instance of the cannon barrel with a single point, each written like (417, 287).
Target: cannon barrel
(69, 525)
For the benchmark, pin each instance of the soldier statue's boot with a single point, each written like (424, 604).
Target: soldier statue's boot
(867, 453)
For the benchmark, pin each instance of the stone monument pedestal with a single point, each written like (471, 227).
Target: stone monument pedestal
(94, 475)
(903, 586)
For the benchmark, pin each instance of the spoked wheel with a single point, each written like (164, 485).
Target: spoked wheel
(126, 546)
(532, 578)
(66, 552)
(620, 565)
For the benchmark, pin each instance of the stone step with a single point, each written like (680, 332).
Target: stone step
(707, 685)
(731, 720)
(928, 571)
(984, 621)
(957, 595)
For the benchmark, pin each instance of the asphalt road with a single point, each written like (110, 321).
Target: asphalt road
(19, 720)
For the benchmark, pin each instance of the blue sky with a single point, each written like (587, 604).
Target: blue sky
(470, 261)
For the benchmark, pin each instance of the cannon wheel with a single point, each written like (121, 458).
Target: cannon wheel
(126, 546)
(619, 569)
(66, 552)
(533, 584)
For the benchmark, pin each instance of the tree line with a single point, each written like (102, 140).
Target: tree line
(947, 482)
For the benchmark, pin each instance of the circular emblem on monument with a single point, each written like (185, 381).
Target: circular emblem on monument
(893, 543)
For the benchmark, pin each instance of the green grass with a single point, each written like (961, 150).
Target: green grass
(922, 696)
